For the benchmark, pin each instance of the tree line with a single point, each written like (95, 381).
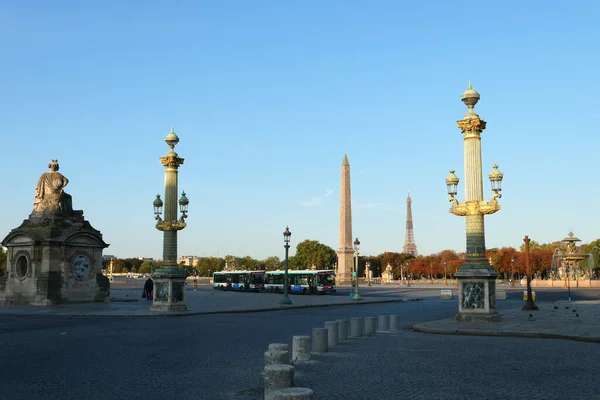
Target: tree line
(507, 261)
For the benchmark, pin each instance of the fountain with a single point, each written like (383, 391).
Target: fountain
(565, 263)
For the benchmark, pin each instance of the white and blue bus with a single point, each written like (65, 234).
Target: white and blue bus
(301, 281)
(239, 280)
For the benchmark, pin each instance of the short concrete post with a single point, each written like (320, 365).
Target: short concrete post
(294, 393)
(332, 333)
(342, 330)
(394, 323)
(357, 326)
(370, 326)
(384, 323)
(277, 376)
(320, 340)
(300, 349)
(276, 347)
(279, 347)
(277, 357)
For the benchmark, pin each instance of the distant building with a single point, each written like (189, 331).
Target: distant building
(188, 261)
(108, 257)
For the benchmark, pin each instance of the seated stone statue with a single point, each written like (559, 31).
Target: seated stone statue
(49, 193)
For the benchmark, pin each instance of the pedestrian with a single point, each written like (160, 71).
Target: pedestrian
(148, 289)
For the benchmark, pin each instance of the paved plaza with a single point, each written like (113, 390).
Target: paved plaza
(82, 351)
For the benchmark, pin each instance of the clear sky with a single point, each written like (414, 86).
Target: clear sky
(267, 96)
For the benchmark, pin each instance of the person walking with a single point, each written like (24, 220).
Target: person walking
(148, 289)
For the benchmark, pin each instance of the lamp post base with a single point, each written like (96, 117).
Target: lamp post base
(477, 295)
(169, 290)
(285, 300)
(356, 297)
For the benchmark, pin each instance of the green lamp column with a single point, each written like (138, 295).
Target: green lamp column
(476, 278)
(169, 280)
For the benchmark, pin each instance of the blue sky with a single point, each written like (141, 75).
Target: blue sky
(267, 96)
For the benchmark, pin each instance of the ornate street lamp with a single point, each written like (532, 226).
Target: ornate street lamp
(286, 240)
(512, 272)
(169, 280)
(445, 275)
(476, 278)
(355, 273)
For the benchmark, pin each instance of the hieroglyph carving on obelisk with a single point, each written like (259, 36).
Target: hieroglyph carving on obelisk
(345, 251)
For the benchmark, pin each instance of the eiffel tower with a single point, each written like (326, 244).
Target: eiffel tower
(409, 242)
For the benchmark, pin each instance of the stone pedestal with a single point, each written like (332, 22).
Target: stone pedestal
(54, 258)
(169, 290)
(477, 295)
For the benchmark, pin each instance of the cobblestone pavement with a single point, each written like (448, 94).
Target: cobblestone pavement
(577, 320)
(411, 365)
(220, 357)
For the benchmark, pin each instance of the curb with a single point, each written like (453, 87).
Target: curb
(195, 313)
(422, 328)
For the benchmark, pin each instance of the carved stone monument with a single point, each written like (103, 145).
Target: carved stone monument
(55, 256)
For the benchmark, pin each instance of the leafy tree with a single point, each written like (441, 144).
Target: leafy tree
(532, 246)
(293, 263)
(134, 270)
(207, 265)
(118, 266)
(249, 264)
(271, 263)
(129, 263)
(146, 267)
(375, 263)
(312, 253)
(396, 260)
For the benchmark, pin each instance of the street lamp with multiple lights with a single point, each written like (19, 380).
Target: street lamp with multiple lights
(169, 279)
(476, 278)
(356, 247)
(286, 240)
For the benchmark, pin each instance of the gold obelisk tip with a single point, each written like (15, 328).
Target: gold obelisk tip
(345, 161)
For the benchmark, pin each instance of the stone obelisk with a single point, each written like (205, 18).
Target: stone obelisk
(345, 251)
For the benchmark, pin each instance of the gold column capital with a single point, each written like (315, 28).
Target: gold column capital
(171, 160)
(471, 127)
(170, 225)
(475, 207)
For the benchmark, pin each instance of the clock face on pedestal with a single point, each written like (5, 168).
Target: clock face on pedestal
(81, 267)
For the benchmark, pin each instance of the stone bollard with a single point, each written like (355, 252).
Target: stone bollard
(394, 323)
(293, 393)
(370, 326)
(319, 340)
(342, 330)
(277, 376)
(279, 347)
(300, 348)
(332, 333)
(274, 347)
(357, 325)
(384, 323)
(277, 357)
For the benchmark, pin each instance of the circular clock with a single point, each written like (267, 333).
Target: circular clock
(81, 267)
